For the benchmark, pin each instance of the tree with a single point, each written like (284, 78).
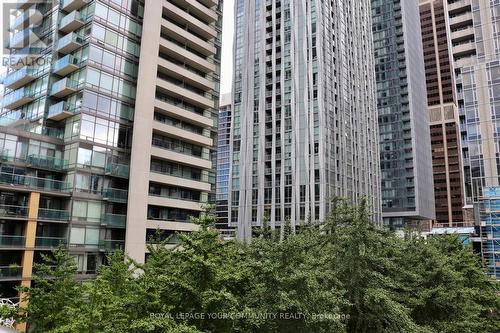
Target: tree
(363, 260)
(290, 278)
(346, 275)
(54, 292)
(450, 291)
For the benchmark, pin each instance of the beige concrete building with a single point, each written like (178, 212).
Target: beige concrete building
(172, 164)
(109, 134)
(474, 39)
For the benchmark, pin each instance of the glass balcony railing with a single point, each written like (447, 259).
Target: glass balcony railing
(115, 195)
(20, 77)
(19, 38)
(13, 211)
(118, 170)
(186, 173)
(62, 110)
(66, 65)
(47, 162)
(64, 87)
(26, 55)
(6, 156)
(110, 245)
(11, 241)
(114, 220)
(70, 5)
(167, 120)
(53, 214)
(7, 120)
(17, 98)
(34, 16)
(54, 132)
(34, 182)
(181, 149)
(50, 241)
(69, 43)
(7, 272)
(71, 22)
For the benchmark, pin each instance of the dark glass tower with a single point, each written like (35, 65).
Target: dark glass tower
(405, 148)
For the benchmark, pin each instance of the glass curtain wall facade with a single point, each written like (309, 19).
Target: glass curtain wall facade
(223, 166)
(475, 27)
(476, 54)
(405, 148)
(303, 102)
(67, 119)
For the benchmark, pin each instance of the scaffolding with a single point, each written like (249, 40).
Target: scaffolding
(489, 229)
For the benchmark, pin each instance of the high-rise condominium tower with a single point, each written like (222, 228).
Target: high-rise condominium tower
(108, 126)
(405, 148)
(304, 114)
(476, 58)
(223, 166)
(476, 53)
(443, 113)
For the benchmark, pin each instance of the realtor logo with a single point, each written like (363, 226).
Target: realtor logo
(22, 29)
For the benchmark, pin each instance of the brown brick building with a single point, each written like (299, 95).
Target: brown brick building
(443, 113)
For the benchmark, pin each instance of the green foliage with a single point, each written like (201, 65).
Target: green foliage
(56, 294)
(345, 275)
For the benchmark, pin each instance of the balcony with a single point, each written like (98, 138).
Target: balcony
(49, 242)
(57, 133)
(25, 56)
(47, 214)
(66, 65)
(17, 98)
(30, 182)
(19, 78)
(199, 9)
(13, 211)
(177, 50)
(71, 22)
(27, 18)
(22, 38)
(462, 34)
(69, 43)
(62, 110)
(114, 220)
(64, 87)
(117, 170)
(181, 90)
(200, 184)
(182, 157)
(115, 195)
(179, 71)
(460, 50)
(8, 241)
(111, 245)
(185, 17)
(461, 20)
(188, 38)
(458, 6)
(46, 162)
(10, 272)
(181, 130)
(183, 111)
(71, 5)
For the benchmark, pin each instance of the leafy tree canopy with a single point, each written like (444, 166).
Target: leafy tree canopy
(345, 275)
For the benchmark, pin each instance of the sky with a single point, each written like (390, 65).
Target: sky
(227, 47)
